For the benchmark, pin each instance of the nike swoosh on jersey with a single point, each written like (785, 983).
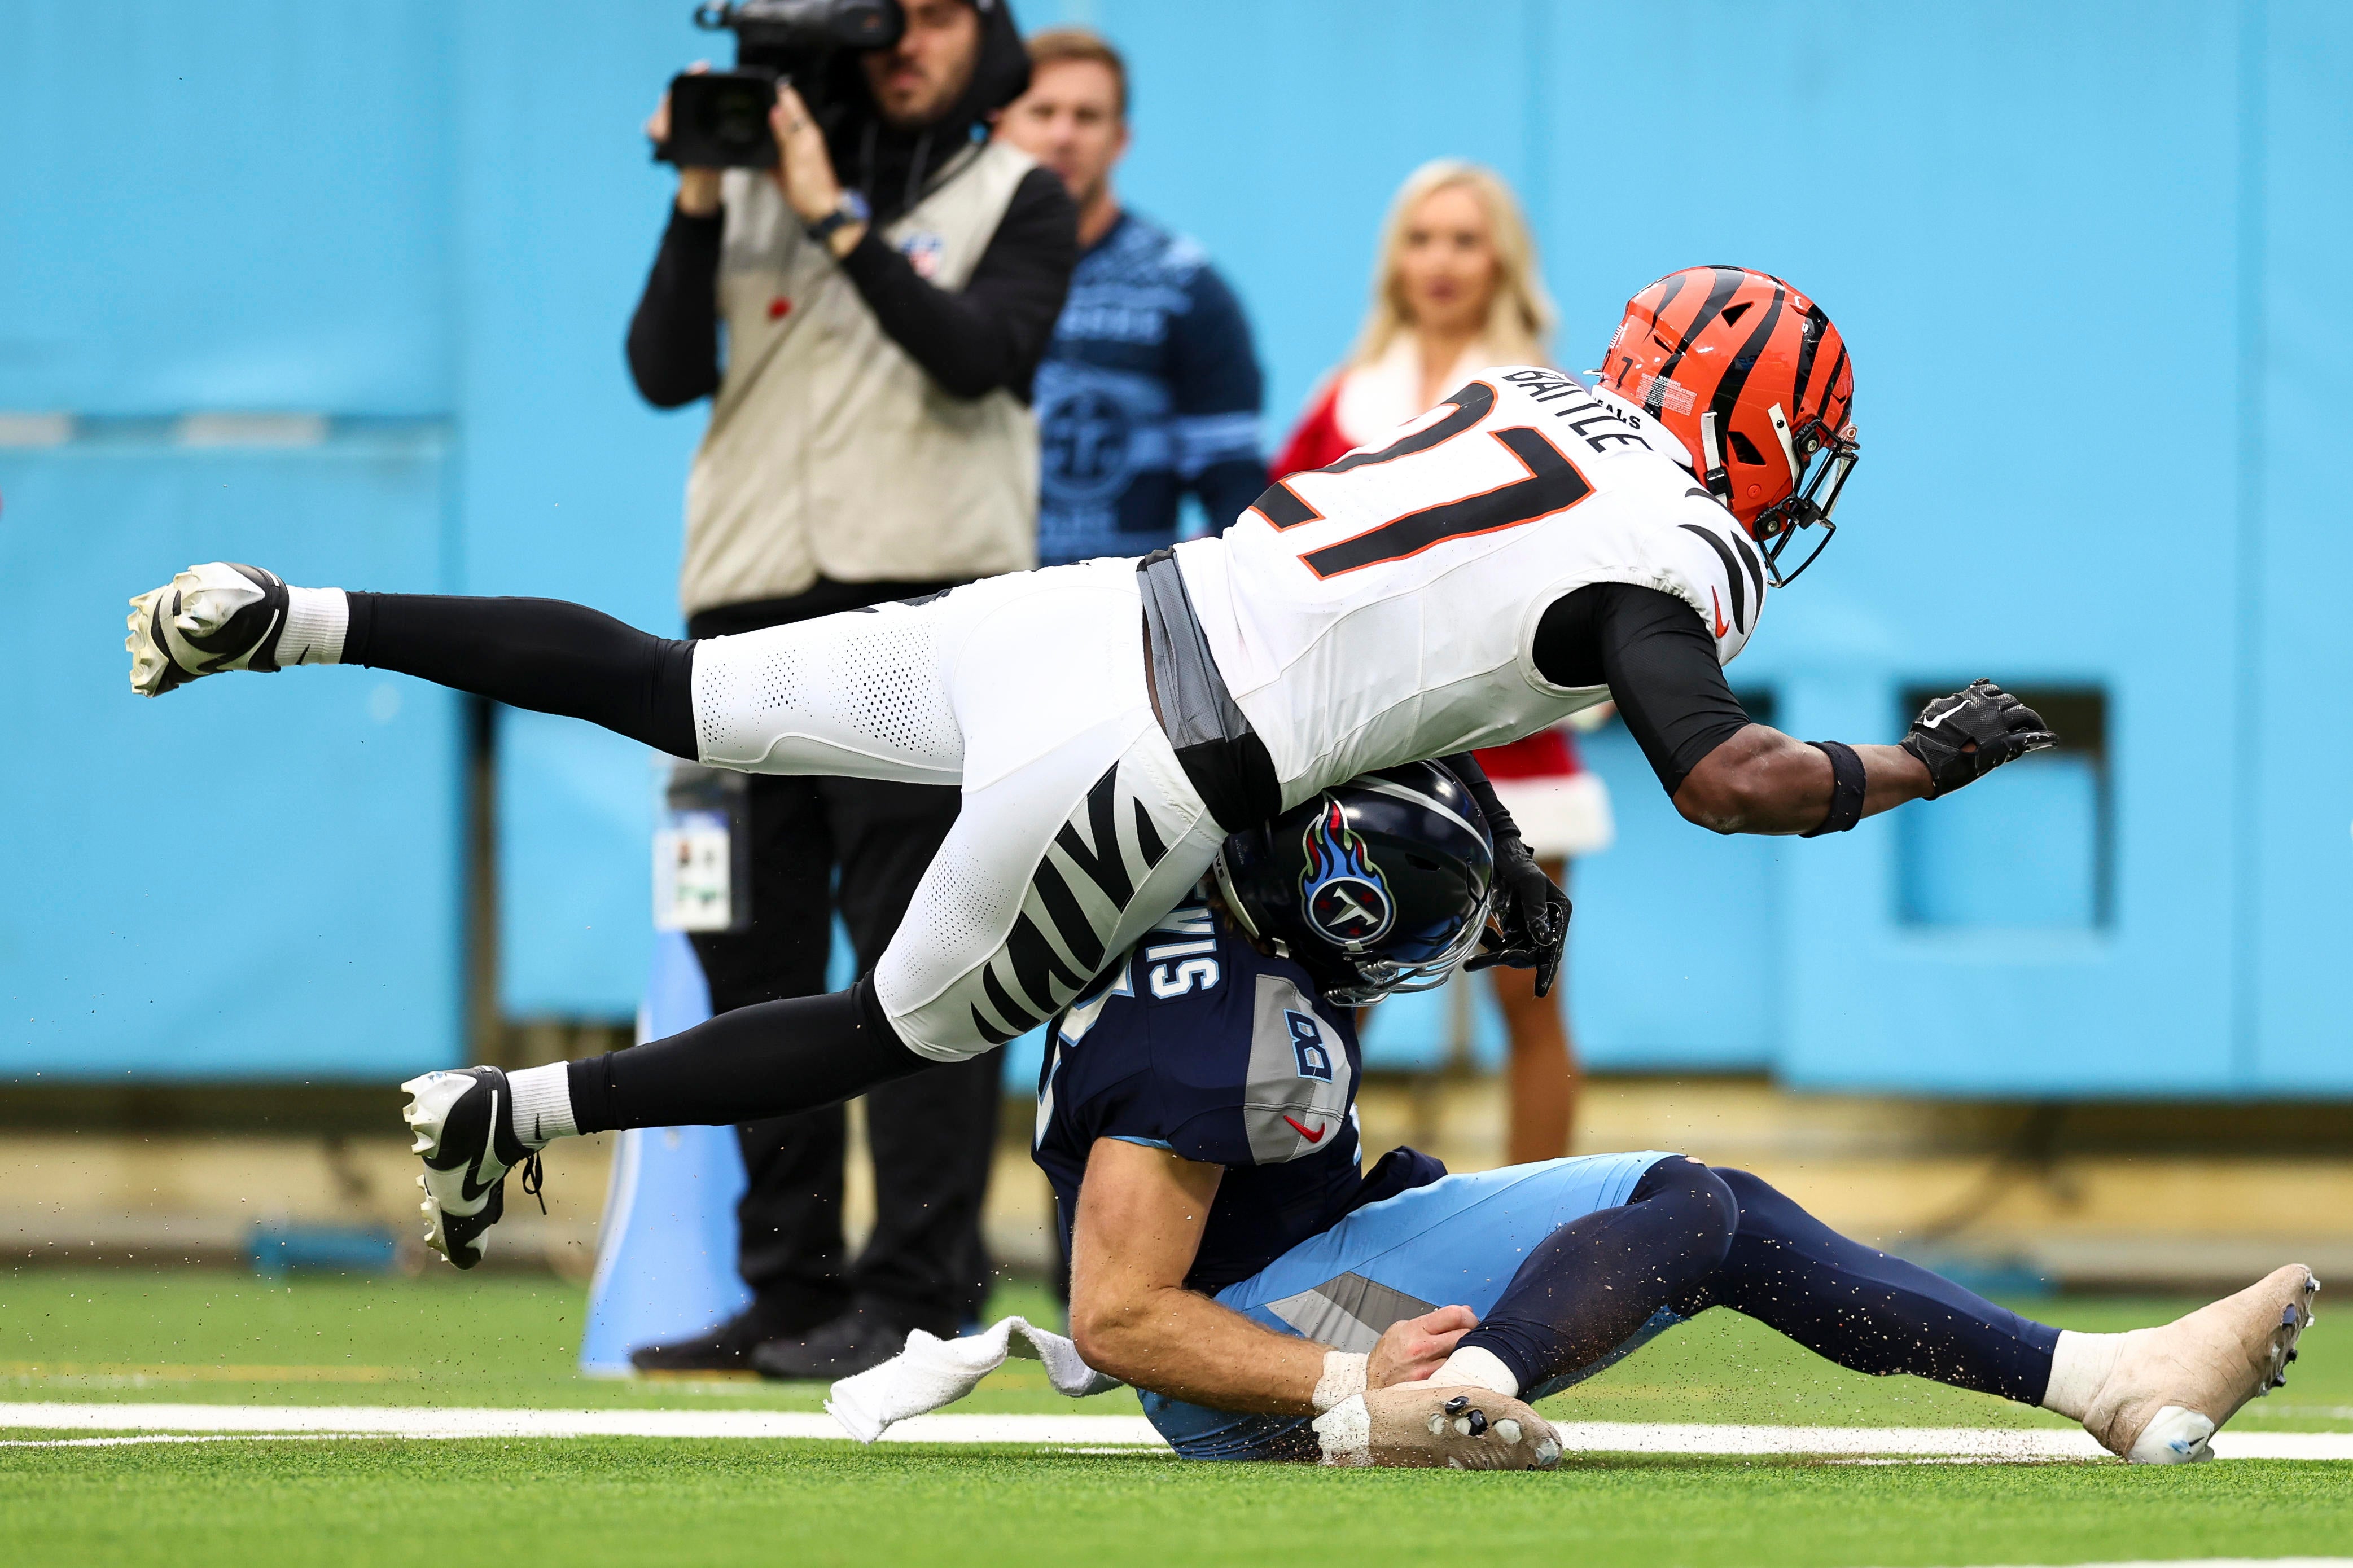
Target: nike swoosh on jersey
(1722, 626)
(1313, 1136)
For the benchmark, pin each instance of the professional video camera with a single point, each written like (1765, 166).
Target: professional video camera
(719, 119)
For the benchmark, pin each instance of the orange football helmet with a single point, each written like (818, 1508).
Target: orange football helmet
(1754, 380)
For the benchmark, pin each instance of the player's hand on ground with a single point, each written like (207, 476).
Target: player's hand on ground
(1531, 918)
(698, 189)
(1961, 738)
(1410, 1350)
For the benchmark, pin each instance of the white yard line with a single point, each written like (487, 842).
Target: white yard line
(1088, 1431)
(426, 1421)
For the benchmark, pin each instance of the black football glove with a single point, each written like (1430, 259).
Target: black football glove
(1531, 912)
(1962, 737)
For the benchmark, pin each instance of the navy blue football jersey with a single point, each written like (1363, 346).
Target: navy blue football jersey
(1197, 1043)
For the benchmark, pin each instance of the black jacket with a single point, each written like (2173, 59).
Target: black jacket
(991, 334)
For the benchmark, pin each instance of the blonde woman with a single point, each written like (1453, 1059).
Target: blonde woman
(1457, 289)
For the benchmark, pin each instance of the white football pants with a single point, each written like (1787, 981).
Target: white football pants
(1079, 829)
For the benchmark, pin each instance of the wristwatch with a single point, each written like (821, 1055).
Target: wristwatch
(850, 209)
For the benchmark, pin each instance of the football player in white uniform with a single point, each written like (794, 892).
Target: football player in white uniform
(1532, 545)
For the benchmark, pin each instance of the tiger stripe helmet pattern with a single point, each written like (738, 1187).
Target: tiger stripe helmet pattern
(1755, 381)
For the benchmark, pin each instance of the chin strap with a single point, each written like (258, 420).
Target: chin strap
(1711, 451)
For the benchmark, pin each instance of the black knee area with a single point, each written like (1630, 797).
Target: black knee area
(1705, 1204)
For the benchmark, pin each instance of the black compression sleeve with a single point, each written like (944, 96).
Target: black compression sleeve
(1652, 652)
(674, 335)
(995, 330)
(545, 655)
(772, 1059)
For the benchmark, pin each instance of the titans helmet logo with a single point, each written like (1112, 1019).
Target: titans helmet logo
(1344, 896)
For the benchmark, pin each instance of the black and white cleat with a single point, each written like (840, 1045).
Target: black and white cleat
(462, 1122)
(209, 618)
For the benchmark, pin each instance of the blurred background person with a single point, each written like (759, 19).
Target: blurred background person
(1458, 287)
(1150, 387)
(887, 290)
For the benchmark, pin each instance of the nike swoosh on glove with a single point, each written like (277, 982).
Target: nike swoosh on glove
(1961, 738)
(1533, 913)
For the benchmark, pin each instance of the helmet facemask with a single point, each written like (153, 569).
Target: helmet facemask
(1820, 460)
(1723, 380)
(1377, 977)
(1367, 976)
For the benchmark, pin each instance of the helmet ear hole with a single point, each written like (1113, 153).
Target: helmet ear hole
(1743, 449)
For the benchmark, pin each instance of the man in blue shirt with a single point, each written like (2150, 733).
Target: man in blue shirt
(1149, 388)
(1196, 1121)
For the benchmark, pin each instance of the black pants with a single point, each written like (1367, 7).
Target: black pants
(932, 1134)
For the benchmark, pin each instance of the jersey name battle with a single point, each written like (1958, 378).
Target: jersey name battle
(1382, 610)
(1197, 1043)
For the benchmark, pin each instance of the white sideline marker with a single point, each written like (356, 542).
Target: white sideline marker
(1984, 1445)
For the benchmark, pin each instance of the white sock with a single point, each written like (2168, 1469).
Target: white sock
(2080, 1363)
(316, 619)
(1475, 1366)
(542, 1104)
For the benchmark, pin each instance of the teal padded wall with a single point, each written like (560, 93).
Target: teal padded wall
(250, 877)
(2083, 254)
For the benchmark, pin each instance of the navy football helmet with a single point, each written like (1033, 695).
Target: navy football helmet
(1378, 885)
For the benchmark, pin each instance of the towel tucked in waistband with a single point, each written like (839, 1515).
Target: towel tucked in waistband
(1220, 754)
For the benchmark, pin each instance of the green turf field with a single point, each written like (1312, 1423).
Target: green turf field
(193, 1337)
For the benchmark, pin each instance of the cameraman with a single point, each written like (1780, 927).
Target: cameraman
(887, 289)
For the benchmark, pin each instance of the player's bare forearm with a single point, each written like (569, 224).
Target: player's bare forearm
(1761, 781)
(1141, 1214)
(1181, 1343)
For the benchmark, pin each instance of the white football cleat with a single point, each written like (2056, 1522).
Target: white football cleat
(1414, 1425)
(2173, 1387)
(462, 1122)
(212, 617)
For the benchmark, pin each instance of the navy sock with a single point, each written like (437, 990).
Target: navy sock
(1590, 1285)
(1865, 1309)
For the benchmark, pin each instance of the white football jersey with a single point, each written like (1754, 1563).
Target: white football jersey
(1382, 610)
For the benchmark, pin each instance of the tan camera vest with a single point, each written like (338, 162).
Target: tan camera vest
(830, 453)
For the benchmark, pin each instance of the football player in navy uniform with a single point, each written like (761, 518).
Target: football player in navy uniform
(1533, 546)
(1197, 1119)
